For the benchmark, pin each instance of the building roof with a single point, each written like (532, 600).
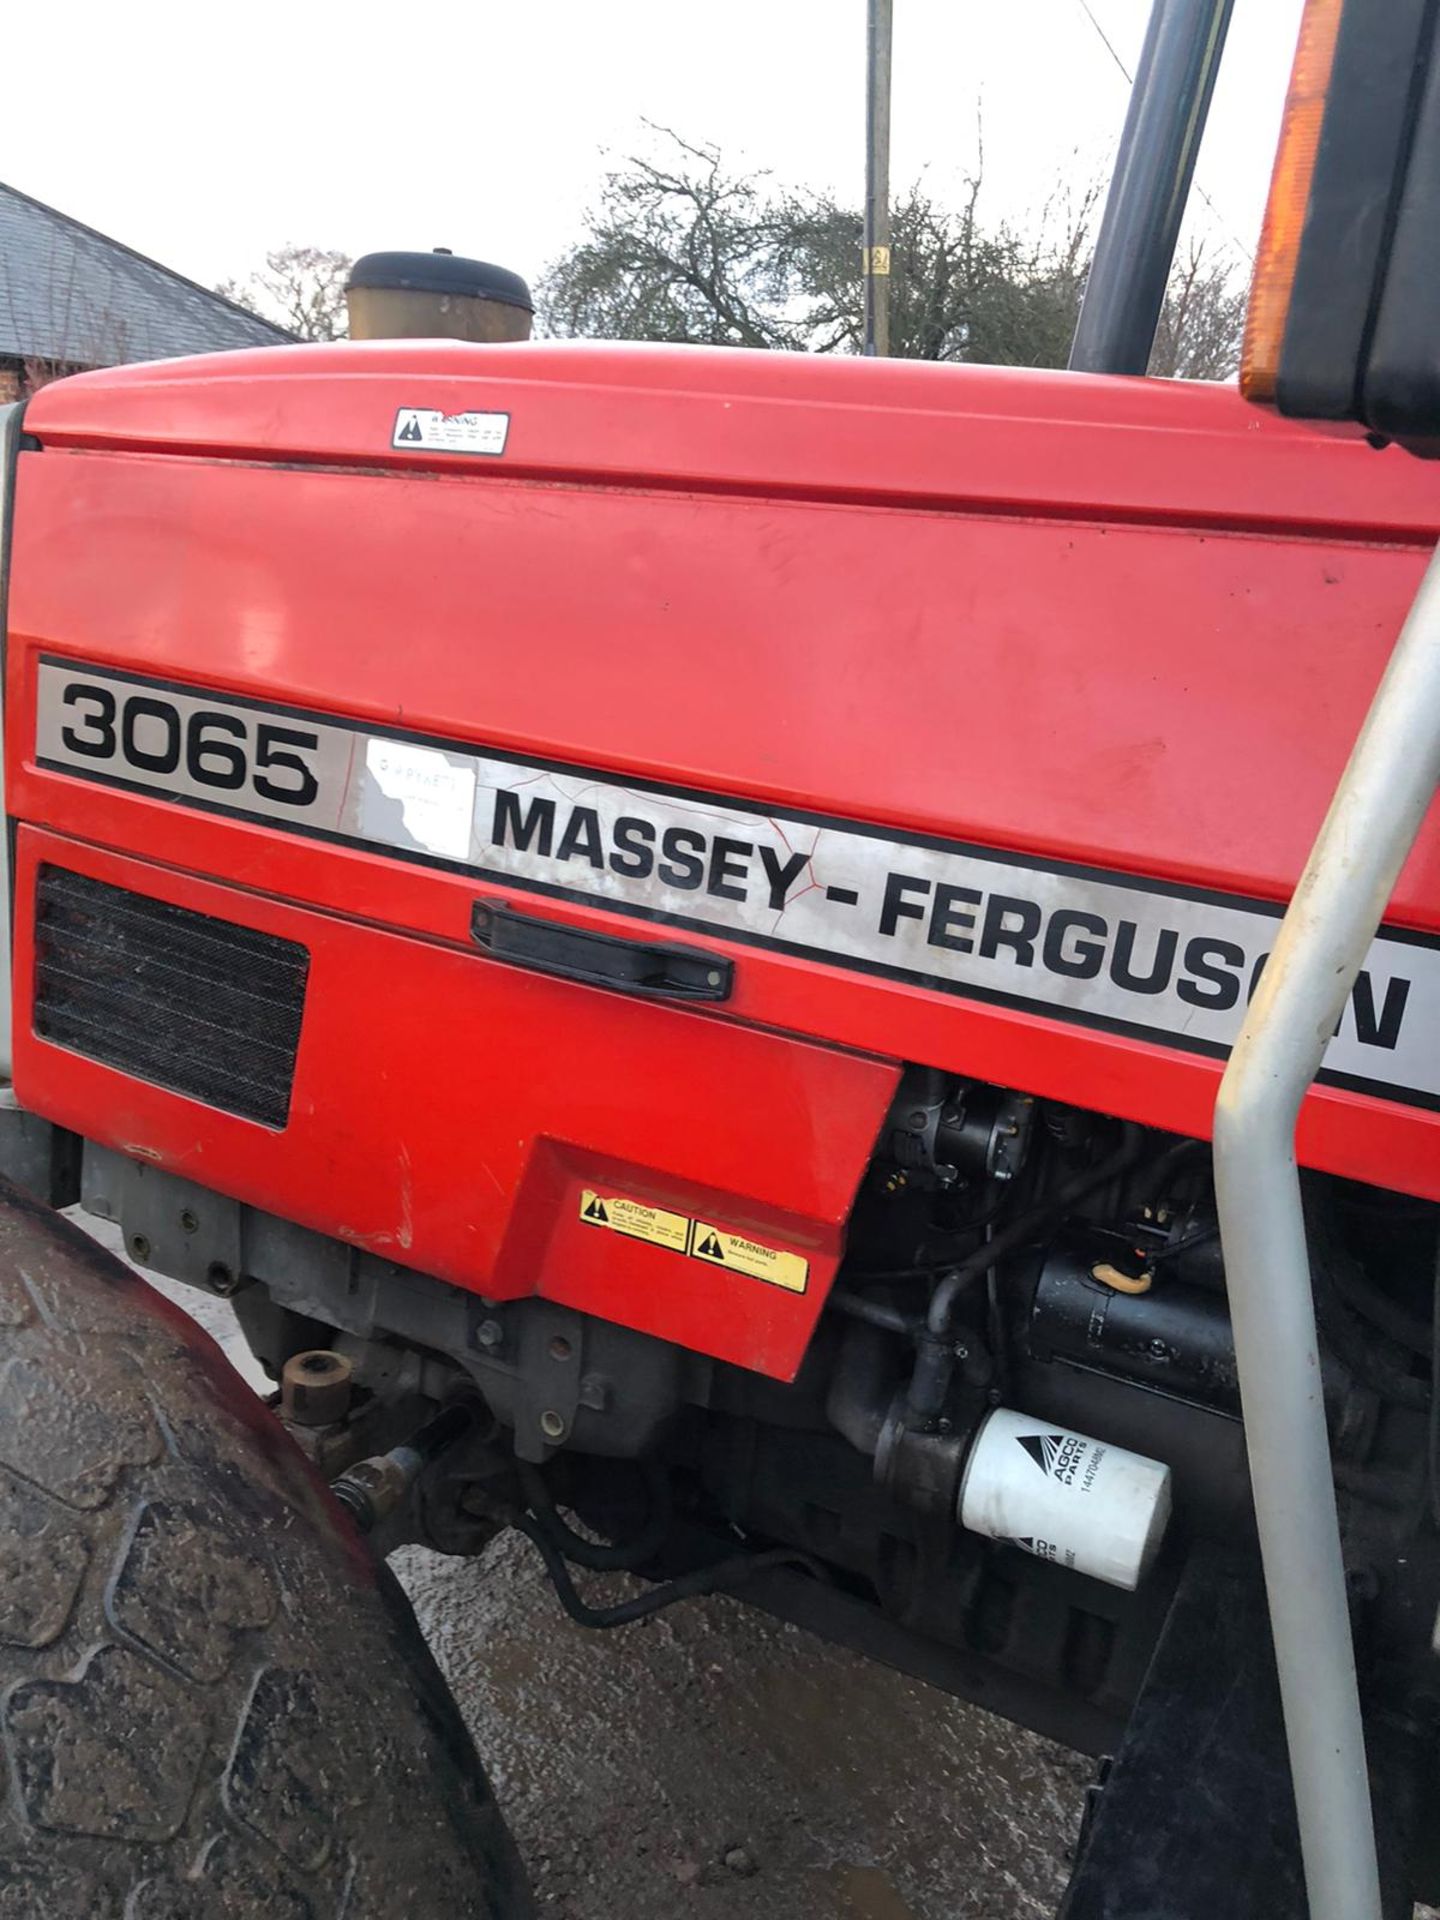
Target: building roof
(75, 297)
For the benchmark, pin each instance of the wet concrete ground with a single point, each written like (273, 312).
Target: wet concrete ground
(714, 1764)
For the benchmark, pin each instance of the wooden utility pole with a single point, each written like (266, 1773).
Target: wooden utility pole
(877, 176)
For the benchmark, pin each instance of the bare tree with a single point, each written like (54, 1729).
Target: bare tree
(681, 249)
(959, 288)
(301, 287)
(1198, 337)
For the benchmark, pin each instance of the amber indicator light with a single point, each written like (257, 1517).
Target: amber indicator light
(1274, 280)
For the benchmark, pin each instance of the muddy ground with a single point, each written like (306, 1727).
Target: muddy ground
(713, 1764)
(636, 1764)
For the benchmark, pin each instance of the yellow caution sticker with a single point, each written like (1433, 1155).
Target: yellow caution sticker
(716, 1246)
(636, 1220)
(750, 1257)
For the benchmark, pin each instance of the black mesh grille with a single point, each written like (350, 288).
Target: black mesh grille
(181, 999)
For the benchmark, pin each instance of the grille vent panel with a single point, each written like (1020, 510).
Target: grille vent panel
(181, 999)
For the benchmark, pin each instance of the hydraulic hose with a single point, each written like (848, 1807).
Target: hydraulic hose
(595, 1554)
(719, 1577)
(935, 1358)
(862, 1386)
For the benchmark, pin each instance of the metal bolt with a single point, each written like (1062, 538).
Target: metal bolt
(489, 1333)
(712, 978)
(222, 1278)
(594, 1392)
(560, 1348)
(139, 1247)
(552, 1424)
(189, 1222)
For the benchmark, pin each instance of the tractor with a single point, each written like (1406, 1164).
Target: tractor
(812, 978)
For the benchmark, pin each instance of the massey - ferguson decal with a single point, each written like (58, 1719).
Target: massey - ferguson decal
(1105, 949)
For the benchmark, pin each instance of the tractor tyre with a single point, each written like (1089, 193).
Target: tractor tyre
(214, 1705)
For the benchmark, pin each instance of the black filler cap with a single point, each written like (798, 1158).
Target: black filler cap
(441, 272)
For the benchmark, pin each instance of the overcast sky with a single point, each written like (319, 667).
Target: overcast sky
(205, 134)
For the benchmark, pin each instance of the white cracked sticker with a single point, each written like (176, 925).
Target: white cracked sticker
(427, 427)
(434, 791)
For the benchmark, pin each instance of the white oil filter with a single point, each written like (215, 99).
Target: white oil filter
(1065, 1497)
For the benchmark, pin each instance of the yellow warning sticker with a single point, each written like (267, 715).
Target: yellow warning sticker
(750, 1257)
(636, 1220)
(716, 1246)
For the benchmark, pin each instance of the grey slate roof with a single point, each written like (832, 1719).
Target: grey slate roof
(70, 295)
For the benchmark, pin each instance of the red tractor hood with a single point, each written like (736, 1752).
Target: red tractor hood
(1043, 682)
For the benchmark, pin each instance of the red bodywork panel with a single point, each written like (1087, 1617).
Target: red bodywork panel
(1099, 624)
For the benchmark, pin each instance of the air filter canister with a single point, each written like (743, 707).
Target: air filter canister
(1065, 1497)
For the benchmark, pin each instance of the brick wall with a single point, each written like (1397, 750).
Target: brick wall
(9, 383)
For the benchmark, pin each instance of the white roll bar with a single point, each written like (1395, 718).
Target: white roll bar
(1383, 795)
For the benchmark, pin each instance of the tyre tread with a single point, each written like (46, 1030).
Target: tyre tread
(213, 1704)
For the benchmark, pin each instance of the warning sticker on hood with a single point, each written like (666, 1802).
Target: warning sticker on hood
(428, 427)
(1103, 949)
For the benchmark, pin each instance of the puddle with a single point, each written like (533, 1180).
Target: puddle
(865, 1893)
